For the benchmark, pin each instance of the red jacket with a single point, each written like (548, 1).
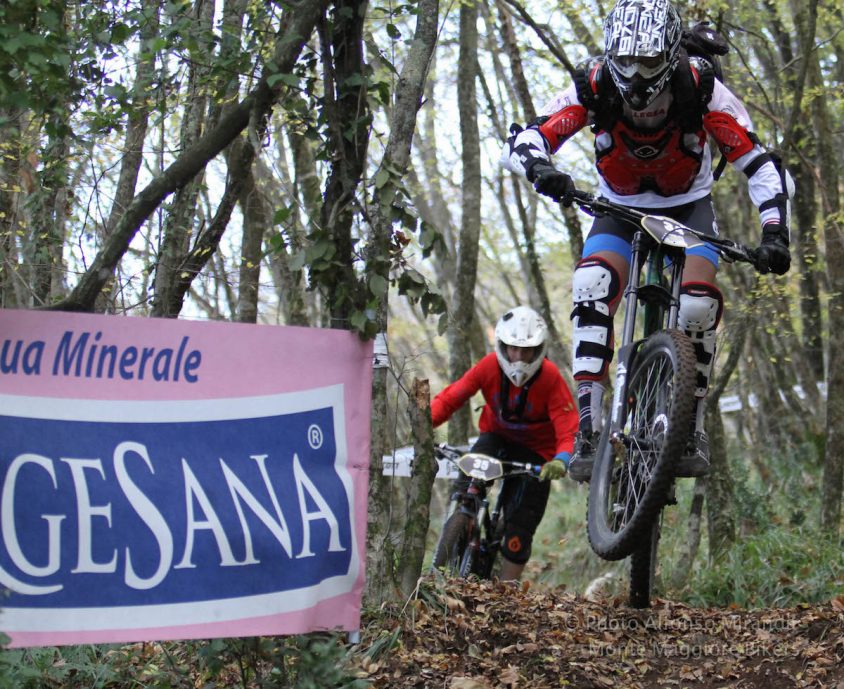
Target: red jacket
(548, 423)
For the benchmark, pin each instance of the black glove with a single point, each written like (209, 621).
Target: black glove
(548, 180)
(773, 255)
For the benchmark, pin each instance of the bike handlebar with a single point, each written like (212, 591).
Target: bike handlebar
(453, 454)
(598, 205)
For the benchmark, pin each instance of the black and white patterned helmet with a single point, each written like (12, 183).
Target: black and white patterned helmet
(641, 41)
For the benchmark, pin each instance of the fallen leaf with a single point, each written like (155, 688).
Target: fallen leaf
(469, 683)
(510, 677)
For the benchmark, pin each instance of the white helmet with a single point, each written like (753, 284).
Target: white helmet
(520, 327)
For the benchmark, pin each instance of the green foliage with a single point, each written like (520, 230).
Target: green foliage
(780, 557)
(35, 53)
(70, 666)
(53, 58)
(782, 566)
(316, 661)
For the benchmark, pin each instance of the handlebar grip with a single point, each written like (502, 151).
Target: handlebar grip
(582, 196)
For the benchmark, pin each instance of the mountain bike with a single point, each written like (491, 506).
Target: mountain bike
(651, 413)
(472, 534)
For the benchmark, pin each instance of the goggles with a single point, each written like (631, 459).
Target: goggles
(629, 66)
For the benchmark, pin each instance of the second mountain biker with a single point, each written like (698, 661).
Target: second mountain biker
(528, 415)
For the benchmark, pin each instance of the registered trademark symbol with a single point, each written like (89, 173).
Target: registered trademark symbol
(315, 436)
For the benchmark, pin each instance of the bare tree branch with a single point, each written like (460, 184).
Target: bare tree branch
(298, 26)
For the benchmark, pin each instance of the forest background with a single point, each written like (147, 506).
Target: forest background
(334, 164)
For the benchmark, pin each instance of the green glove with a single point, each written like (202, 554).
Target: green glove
(556, 468)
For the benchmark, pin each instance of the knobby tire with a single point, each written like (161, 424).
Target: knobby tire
(643, 563)
(452, 550)
(630, 480)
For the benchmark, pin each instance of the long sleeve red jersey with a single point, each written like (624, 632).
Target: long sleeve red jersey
(549, 419)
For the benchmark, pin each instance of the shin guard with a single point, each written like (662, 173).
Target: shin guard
(701, 306)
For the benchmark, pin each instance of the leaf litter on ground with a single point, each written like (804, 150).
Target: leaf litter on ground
(474, 634)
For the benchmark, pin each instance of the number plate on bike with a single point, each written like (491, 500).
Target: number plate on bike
(670, 232)
(480, 466)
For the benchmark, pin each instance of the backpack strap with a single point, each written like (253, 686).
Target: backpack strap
(597, 92)
(692, 84)
(582, 82)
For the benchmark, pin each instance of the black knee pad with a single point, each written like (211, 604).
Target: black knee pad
(516, 545)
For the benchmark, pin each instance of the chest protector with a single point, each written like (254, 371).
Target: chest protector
(631, 159)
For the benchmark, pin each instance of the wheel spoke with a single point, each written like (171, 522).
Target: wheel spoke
(649, 410)
(635, 466)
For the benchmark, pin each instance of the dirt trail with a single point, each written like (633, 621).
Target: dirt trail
(486, 635)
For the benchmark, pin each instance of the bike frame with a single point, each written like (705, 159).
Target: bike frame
(629, 490)
(473, 501)
(656, 240)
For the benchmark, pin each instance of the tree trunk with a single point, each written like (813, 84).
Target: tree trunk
(46, 246)
(256, 220)
(805, 18)
(306, 185)
(798, 145)
(720, 501)
(690, 548)
(833, 471)
(181, 218)
(12, 219)
(348, 125)
(137, 121)
(720, 505)
(557, 352)
(382, 579)
(417, 512)
(463, 303)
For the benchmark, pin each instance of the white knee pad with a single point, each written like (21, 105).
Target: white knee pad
(701, 305)
(595, 288)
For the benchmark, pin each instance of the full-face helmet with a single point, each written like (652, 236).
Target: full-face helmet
(520, 327)
(641, 45)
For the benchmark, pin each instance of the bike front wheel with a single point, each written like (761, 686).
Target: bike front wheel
(634, 468)
(452, 550)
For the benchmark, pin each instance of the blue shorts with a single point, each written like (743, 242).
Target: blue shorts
(609, 234)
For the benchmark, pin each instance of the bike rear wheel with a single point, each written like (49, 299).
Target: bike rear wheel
(633, 472)
(453, 553)
(643, 563)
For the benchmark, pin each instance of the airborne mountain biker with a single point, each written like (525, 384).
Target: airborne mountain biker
(651, 108)
(528, 416)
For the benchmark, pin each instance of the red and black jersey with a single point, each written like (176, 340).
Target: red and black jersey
(547, 422)
(657, 157)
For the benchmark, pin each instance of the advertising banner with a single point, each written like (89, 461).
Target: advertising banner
(167, 479)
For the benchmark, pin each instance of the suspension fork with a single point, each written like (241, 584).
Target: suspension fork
(495, 515)
(640, 247)
(474, 503)
(658, 302)
(677, 265)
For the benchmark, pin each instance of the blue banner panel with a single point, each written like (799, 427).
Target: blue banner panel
(131, 513)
